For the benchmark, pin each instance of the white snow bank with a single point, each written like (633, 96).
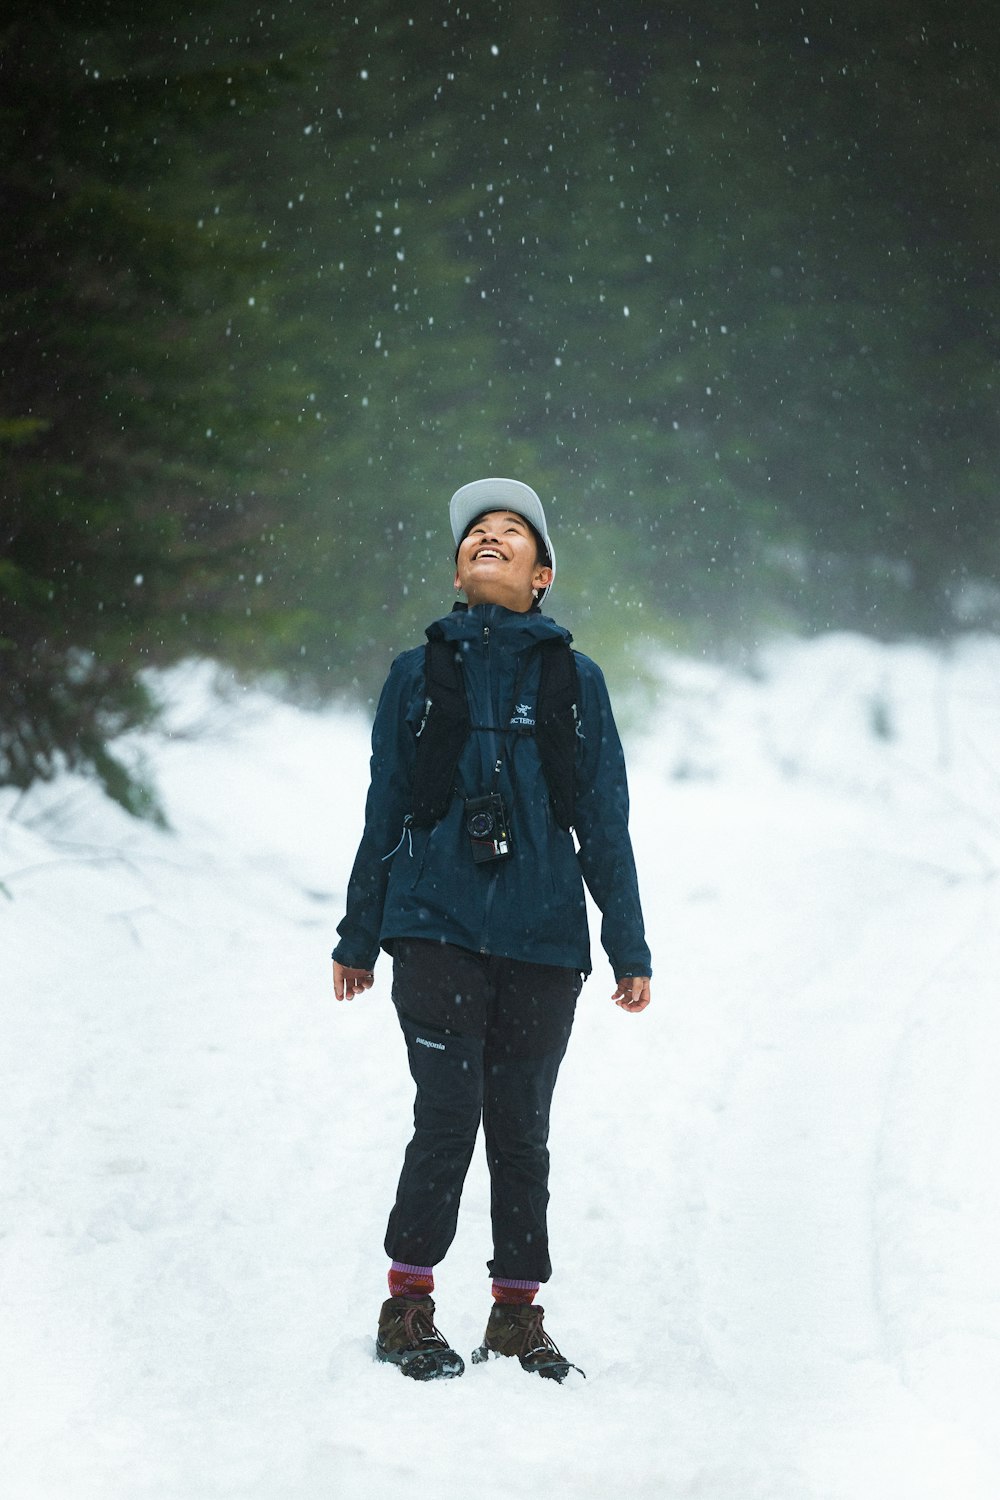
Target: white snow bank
(774, 1218)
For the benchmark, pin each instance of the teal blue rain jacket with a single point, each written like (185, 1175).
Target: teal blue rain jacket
(424, 883)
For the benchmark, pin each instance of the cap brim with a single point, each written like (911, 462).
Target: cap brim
(482, 495)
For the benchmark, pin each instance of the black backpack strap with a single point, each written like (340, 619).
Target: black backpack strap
(556, 730)
(442, 734)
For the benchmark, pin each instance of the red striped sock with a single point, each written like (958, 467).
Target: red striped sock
(519, 1293)
(410, 1281)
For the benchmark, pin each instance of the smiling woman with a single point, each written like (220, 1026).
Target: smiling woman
(481, 903)
(501, 560)
(509, 498)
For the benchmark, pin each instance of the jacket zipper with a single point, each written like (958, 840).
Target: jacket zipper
(489, 690)
(492, 877)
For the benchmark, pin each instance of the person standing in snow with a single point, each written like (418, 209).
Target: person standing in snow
(492, 745)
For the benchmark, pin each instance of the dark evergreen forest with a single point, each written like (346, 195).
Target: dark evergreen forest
(720, 283)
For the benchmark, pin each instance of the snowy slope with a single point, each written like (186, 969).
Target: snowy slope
(775, 1220)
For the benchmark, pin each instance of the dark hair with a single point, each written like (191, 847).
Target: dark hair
(542, 558)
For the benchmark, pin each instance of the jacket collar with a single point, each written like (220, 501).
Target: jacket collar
(508, 627)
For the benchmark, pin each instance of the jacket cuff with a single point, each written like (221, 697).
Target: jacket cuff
(351, 960)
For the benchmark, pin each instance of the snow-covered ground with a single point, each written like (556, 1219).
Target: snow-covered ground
(775, 1208)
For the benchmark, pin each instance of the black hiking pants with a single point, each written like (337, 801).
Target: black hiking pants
(485, 1038)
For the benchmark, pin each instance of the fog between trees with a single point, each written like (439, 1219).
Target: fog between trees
(275, 282)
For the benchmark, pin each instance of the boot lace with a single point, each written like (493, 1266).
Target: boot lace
(536, 1342)
(420, 1331)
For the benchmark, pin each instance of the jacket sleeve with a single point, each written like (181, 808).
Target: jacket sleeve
(602, 807)
(388, 804)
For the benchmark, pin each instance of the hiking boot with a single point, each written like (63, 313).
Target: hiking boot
(515, 1329)
(407, 1338)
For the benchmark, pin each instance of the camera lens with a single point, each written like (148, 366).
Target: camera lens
(480, 824)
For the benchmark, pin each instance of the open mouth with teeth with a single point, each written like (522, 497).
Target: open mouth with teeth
(489, 552)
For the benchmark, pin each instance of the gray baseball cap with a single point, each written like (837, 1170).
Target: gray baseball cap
(482, 495)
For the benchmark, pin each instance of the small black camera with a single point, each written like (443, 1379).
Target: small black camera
(487, 827)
